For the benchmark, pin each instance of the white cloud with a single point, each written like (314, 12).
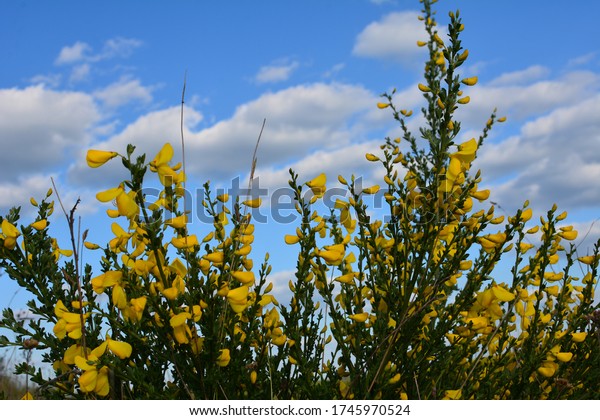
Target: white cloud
(80, 73)
(83, 52)
(521, 77)
(118, 47)
(276, 72)
(301, 120)
(394, 37)
(73, 53)
(582, 59)
(46, 80)
(334, 70)
(123, 92)
(41, 128)
(19, 191)
(521, 101)
(554, 159)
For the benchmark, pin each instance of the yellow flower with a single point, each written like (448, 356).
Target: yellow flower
(553, 276)
(291, 239)
(317, 185)
(371, 190)
(10, 233)
(569, 235)
(502, 294)
(564, 356)
(69, 323)
(245, 277)
(109, 195)
(40, 224)
(481, 195)
(362, 317)
(91, 245)
(126, 204)
(178, 222)
(253, 203)
(371, 158)
(382, 105)
(238, 298)
(96, 158)
(135, 309)
(163, 157)
(278, 337)
(214, 257)
(423, 88)
(453, 394)
(470, 81)
(108, 279)
(465, 100)
(92, 379)
(588, 259)
(27, 396)
(224, 358)
(186, 242)
(120, 349)
(181, 330)
(578, 337)
(346, 278)
(332, 254)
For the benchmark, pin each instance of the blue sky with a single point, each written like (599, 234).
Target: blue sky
(79, 75)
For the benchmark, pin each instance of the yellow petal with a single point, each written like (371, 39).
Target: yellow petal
(163, 157)
(254, 203)
(564, 356)
(120, 348)
(382, 105)
(179, 319)
(371, 190)
(371, 157)
(424, 88)
(291, 239)
(9, 230)
(246, 277)
(470, 81)
(588, 259)
(102, 387)
(178, 222)
(224, 358)
(569, 235)
(546, 371)
(362, 317)
(317, 182)
(90, 245)
(187, 242)
(578, 337)
(109, 195)
(27, 396)
(214, 257)
(86, 364)
(502, 294)
(40, 224)
(96, 158)
(87, 381)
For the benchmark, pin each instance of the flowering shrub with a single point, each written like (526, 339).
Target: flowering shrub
(405, 307)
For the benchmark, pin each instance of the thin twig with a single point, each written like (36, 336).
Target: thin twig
(182, 137)
(71, 222)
